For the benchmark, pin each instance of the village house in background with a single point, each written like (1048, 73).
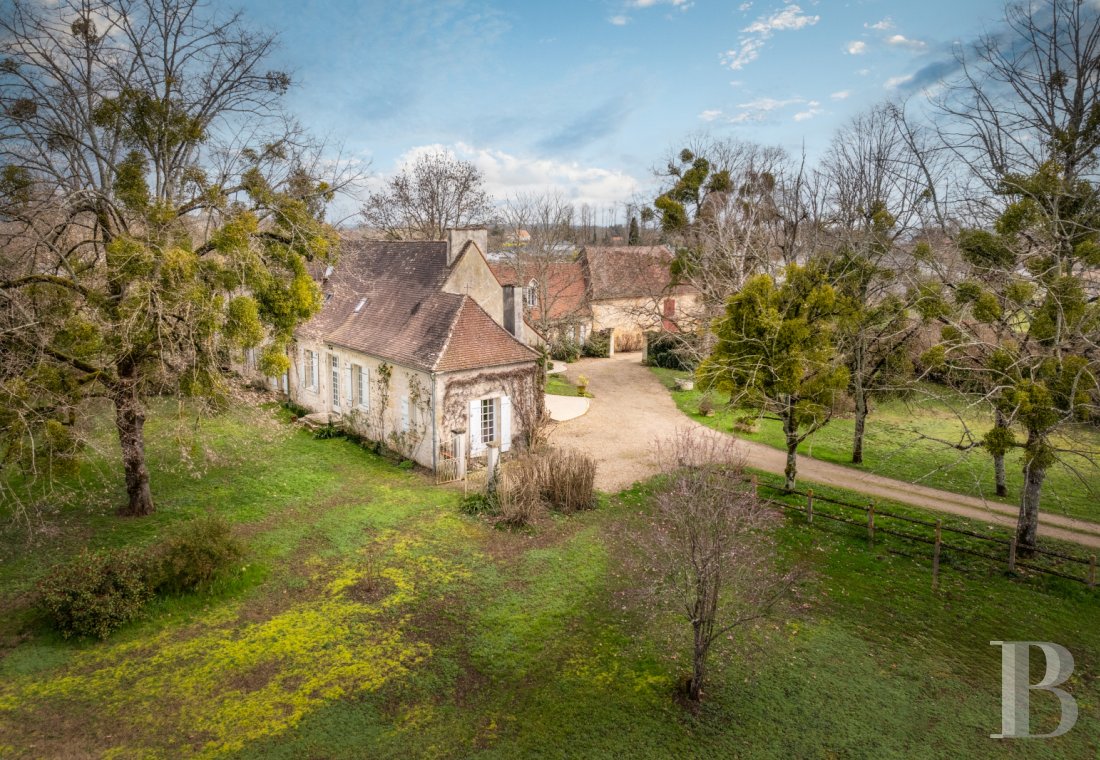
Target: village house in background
(417, 347)
(625, 289)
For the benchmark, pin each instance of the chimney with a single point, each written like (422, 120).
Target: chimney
(459, 236)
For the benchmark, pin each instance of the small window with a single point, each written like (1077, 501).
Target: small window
(335, 380)
(488, 420)
(312, 370)
(531, 294)
(359, 306)
(362, 385)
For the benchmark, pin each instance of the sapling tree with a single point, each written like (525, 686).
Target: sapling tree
(708, 547)
(158, 210)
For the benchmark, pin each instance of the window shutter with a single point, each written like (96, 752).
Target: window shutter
(404, 414)
(364, 387)
(477, 446)
(505, 423)
(301, 367)
(349, 389)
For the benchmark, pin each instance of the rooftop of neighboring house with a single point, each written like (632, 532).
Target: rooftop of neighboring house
(560, 283)
(386, 299)
(630, 271)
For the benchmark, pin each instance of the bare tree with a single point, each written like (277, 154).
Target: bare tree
(437, 192)
(542, 261)
(709, 547)
(875, 195)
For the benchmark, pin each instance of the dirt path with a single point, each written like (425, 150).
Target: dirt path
(632, 409)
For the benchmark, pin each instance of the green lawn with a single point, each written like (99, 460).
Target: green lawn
(495, 643)
(559, 385)
(893, 446)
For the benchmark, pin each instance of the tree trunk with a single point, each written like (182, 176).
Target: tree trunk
(130, 421)
(861, 422)
(1027, 527)
(999, 474)
(790, 472)
(999, 458)
(699, 665)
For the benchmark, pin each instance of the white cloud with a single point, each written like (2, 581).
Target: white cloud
(813, 108)
(863, 72)
(619, 20)
(744, 55)
(710, 115)
(791, 18)
(881, 26)
(841, 95)
(858, 47)
(900, 40)
(894, 82)
(769, 104)
(744, 7)
(681, 4)
(760, 108)
(506, 174)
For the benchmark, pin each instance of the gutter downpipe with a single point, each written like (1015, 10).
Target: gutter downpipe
(435, 430)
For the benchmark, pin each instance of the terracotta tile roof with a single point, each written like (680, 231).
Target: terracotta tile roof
(385, 298)
(629, 271)
(564, 286)
(478, 341)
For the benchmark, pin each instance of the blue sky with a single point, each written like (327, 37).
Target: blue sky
(587, 97)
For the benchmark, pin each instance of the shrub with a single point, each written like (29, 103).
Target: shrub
(567, 480)
(328, 431)
(670, 351)
(598, 344)
(627, 342)
(296, 410)
(706, 405)
(477, 504)
(191, 558)
(517, 498)
(565, 350)
(95, 593)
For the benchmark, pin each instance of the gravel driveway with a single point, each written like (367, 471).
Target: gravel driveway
(631, 410)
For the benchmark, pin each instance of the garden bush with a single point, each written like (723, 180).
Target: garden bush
(95, 593)
(192, 557)
(670, 351)
(567, 479)
(631, 341)
(598, 344)
(518, 500)
(565, 350)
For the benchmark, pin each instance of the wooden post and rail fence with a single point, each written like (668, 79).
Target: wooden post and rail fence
(1012, 557)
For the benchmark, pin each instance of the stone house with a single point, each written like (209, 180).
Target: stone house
(625, 289)
(630, 292)
(410, 349)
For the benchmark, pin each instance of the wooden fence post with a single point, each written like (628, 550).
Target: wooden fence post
(871, 523)
(1092, 571)
(755, 487)
(1012, 556)
(936, 556)
(810, 505)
